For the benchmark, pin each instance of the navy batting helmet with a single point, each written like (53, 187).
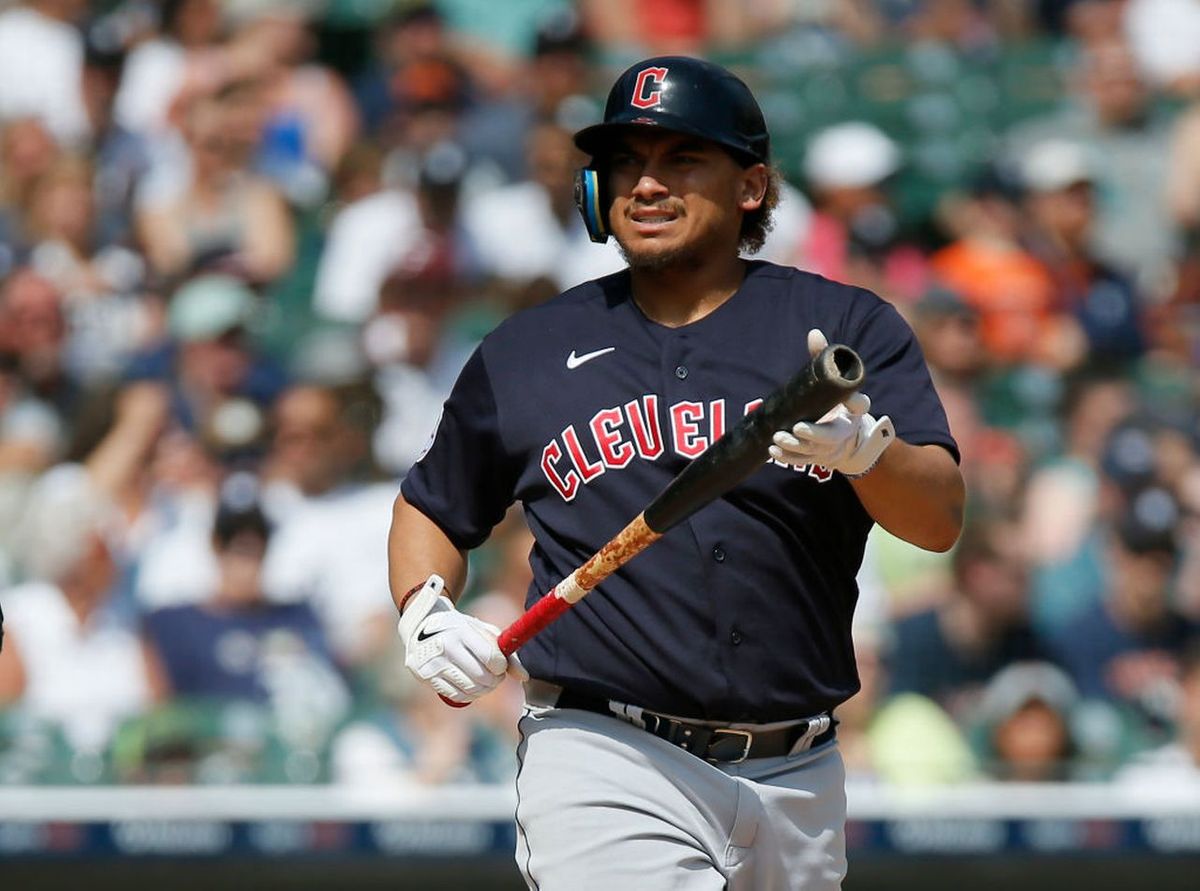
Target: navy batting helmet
(684, 95)
(679, 94)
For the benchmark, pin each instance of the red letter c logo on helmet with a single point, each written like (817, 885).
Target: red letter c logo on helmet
(647, 91)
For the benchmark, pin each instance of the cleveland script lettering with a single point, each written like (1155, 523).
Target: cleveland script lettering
(615, 435)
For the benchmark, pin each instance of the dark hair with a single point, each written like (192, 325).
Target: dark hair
(233, 521)
(560, 32)
(758, 222)
(239, 511)
(1149, 523)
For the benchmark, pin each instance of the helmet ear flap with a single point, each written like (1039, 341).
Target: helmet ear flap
(592, 203)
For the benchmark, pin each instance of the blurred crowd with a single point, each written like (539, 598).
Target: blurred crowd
(246, 245)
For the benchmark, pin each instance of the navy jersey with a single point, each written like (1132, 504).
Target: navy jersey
(583, 410)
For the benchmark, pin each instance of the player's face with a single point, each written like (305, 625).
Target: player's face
(678, 200)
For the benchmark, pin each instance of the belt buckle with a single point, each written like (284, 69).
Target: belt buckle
(728, 732)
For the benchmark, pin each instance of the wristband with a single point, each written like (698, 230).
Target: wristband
(408, 596)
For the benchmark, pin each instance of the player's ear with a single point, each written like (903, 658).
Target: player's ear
(753, 187)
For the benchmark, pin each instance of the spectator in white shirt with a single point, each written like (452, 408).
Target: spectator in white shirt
(531, 230)
(1177, 763)
(72, 657)
(329, 545)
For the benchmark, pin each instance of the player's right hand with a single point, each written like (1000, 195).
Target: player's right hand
(454, 653)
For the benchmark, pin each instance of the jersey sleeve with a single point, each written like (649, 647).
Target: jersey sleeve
(897, 378)
(465, 480)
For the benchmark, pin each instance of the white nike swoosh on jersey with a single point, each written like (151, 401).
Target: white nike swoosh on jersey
(574, 361)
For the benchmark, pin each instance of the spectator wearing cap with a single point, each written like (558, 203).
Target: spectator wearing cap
(1024, 724)
(986, 264)
(1060, 204)
(854, 235)
(1126, 647)
(236, 645)
(220, 385)
(1111, 110)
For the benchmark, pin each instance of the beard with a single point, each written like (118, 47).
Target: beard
(645, 255)
(684, 256)
(695, 250)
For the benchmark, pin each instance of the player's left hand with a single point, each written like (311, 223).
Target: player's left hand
(847, 439)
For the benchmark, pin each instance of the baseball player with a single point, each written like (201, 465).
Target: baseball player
(678, 732)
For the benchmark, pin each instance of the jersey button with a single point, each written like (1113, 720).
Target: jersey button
(681, 371)
(718, 554)
(735, 637)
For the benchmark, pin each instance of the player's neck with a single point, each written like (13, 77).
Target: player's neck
(678, 296)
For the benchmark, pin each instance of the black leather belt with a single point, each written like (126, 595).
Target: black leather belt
(719, 744)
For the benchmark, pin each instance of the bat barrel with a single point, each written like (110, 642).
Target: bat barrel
(832, 375)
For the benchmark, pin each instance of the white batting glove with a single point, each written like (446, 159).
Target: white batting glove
(454, 653)
(847, 439)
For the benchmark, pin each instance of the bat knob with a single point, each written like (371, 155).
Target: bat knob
(452, 703)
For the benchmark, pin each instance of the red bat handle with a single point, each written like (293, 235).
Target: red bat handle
(531, 622)
(625, 545)
(519, 632)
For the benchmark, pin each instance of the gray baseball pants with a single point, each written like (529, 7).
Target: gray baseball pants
(605, 806)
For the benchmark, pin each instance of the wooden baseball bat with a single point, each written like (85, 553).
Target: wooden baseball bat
(831, 376)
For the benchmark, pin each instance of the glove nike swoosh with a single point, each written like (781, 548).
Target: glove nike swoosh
(425, 635)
